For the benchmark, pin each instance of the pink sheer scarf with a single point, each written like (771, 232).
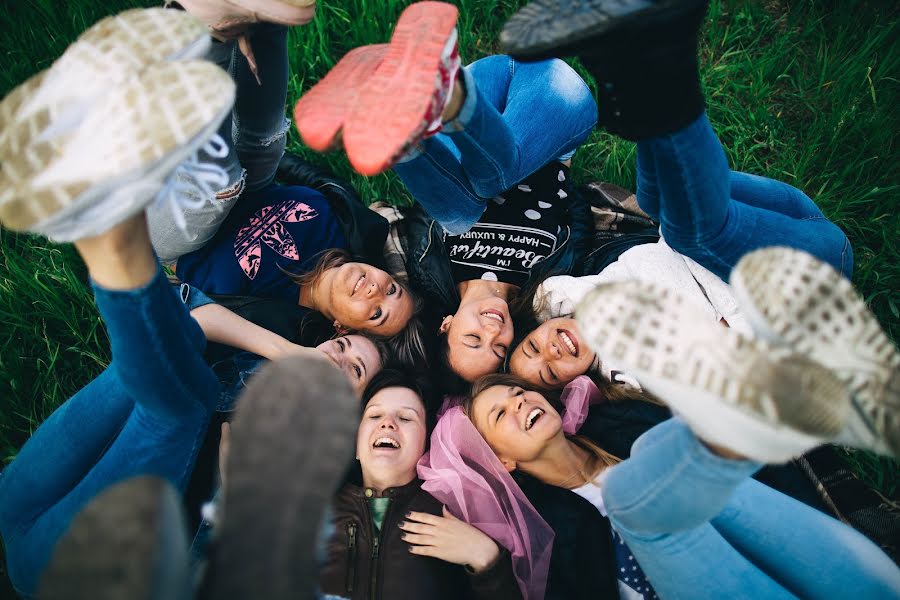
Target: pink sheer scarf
(461, 471)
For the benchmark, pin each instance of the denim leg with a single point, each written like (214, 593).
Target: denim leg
(661, 500)
(201, 223)
(256, 132)
(500, 136)
(700, 219)
(773, 195)
(146, 414)
(827, 558)
(259, 127)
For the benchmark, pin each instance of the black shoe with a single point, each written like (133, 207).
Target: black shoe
(643, 55)
(291, 442)
(128, 542)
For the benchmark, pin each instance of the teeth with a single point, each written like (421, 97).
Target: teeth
(494, 316)
(359, 283)
(532, 417)
(567, 341)
(386, 440)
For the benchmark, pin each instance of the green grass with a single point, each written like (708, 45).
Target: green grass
(806, 92)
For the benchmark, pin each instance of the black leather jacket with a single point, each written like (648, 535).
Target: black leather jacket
(363, 566)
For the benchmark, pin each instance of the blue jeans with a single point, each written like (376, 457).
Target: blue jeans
(146, 414)
(516, 118)
(715, 215)
(256, 131)
(701, 528)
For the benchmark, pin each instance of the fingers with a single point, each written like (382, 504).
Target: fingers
(424, 551)
(412, 527)
(418, 539)
(421, 517)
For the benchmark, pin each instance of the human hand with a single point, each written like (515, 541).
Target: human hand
(449, 539)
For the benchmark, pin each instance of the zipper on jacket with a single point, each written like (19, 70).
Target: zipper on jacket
(351, 556)
(374, 568)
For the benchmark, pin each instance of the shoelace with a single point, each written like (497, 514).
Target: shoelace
(194, 183)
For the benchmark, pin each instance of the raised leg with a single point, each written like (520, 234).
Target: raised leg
(499, 137)
(700, 219)
(146, 414)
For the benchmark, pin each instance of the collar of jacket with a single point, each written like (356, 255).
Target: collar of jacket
(403, 491)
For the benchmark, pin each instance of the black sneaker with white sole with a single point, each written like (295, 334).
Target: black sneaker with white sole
(128, 542)
(291, 443)
(794, 300)
(733, 391)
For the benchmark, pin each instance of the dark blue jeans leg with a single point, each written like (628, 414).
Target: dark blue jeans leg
(145, 415)
(699, 217)
(259, 127)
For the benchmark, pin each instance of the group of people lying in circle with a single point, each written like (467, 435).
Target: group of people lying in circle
(483, 400)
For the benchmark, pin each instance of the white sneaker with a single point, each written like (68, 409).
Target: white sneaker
(796, 300)
(113, 50)
(733, 391)
(117, 159)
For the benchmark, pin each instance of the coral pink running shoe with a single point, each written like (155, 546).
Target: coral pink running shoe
(320, 112)
(402, 101)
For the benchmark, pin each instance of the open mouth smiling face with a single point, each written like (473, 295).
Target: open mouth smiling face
(391, 437)
(552, 355)
(518, 424)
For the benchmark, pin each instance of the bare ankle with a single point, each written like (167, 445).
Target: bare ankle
(454, 104)
(121, 258)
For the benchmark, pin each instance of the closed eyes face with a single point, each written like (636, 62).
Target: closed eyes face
(367, 299)
(391, 437)
(552, 355)
(516, 423)
(356, 356)
(479, 335)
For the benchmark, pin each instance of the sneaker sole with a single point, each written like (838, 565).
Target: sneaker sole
(391, 107)
(548, 28)
(731, 390)
(182, 104)
(320, 112)
(793, 299)
(126, 543)
(106, 55)
(291, 443)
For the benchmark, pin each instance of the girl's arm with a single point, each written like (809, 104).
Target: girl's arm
(226, 327)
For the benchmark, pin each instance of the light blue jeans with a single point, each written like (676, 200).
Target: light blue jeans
(516, 118)
(701, 528)
(256, 134)
(146, 414)
(715, 215)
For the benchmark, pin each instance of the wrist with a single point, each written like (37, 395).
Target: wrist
(485, 559)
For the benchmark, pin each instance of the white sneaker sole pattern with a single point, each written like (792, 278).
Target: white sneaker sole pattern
(732, 391)
(793, 299)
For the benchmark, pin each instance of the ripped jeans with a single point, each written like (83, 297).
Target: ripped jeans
(257, 132)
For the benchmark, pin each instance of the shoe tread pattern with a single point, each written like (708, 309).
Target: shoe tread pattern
(809, 307)
(659, 337)
(390, 111)
(291, 443)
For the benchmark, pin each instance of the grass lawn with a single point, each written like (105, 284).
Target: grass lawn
(804, 91)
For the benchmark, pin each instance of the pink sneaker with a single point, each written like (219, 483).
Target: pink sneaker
(320, 112)
(402, 101)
